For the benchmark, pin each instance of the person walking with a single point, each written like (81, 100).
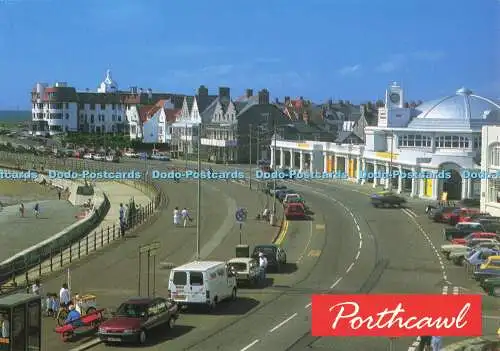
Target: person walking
(262, 267)
(437, 343)
(36, 210)
(185, 217)
(64, 296)
(36, 288)
(177, 216)
(59, 194)
(21, 209)
(122, 220)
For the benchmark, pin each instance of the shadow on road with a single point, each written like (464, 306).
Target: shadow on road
(240, 306)
(160, 335)
(288, 268)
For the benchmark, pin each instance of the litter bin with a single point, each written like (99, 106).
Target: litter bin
(242, 251)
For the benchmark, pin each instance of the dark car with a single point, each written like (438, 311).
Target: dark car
(387, 199)
(135, 318)
(276, 256)
(439, 214)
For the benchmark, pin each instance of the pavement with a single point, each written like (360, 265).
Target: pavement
(348, 247)
(113, 274)
(19, 233)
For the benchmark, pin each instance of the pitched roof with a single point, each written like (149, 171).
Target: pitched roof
(171, 114)
(147, 111)
(344, 135)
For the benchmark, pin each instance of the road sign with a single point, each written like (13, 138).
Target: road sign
(241, 215)
(149, 247)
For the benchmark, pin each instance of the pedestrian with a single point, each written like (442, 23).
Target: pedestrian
(437, 343)
(36, 288)
(262, 267)
(125, 214)
(4, 323)
(36, 210)
(122, 214)
(177, 216)
(425, 343)
(64, 296)
(185, 217)
(59, 194)
(21, 209)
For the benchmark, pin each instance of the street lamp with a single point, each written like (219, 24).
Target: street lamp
(198, 206)
(273, 213)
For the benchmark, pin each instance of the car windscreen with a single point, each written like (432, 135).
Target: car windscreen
(180, 278)
(132, 310)
(238, 266)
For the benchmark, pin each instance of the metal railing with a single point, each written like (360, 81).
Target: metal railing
(86, 243)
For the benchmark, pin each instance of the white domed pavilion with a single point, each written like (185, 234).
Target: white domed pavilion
(108, 85)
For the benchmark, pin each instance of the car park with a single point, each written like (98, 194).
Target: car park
(276, 256)
(440, 214)
(476, 235)
(136, 318)
(461, 230)
(461, 215)
(491, 286)
(449, 249)
(246, 270)
(387, 199)
(202, 283)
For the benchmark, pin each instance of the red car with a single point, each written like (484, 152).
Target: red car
(295, 210)
(478, 235)
(135, 318)
(462, 215)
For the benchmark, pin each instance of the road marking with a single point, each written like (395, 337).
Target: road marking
(320, 227)
(350, 267)
(282, 235)
(308, 305)
(357, 256)
(307, 245)
(336, 283)
(433, 247)
(314, 253)
(492, 317)
(250, 345)
(456, 290)
(445, 290)
(87, 345)
(410, 212)
(284, 322)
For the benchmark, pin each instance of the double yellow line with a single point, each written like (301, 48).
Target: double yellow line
(282, 235)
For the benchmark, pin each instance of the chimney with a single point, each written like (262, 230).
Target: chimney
(248, 93)
(133, 90)
(140, 91)
(287, 99)
(224, 92)
(150, 94)
(202, 91)
(263, 97)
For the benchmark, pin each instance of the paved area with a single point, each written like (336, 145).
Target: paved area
(15, 192)
(113, 274)
(19, 233)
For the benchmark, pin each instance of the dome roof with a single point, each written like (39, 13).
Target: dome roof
(463, 110)
(108, 84)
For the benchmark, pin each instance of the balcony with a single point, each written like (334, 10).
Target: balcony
(219, 142)
(189, 138)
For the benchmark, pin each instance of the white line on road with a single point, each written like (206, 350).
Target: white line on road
(492, 317)
(357, 256)
(336, 283)
(284, 322)
(87, 345)
(250, 345)
(350, 267)
(308, 305)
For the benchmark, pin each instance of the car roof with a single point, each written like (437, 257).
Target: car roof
(139, 300)
(270, 246)
(240, 260)
(469, 223)
(198, 266)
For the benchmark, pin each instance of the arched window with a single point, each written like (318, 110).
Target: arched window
(495, 155)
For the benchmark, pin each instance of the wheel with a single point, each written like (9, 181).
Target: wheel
(61, 317)
(171, 323)
(234, 295)
(142, 337)
(212, 305)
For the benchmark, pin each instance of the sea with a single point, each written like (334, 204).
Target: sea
(16, 116)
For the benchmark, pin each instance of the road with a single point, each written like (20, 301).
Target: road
(349, 247)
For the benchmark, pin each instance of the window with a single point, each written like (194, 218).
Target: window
(196, 278)
(113, 107)
(18, 340)
(180, 278)
(477, 142)
(414, 141)
(91, 118)
(34, 315)
(92, 106)
(66, 105)
(119, 118)
(495, 155)
(221, 272)
(103, 106)
(81, 106)
(67, 115)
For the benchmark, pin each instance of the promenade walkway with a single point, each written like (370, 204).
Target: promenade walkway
(20, 233)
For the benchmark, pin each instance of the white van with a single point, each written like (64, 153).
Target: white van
(201, 283)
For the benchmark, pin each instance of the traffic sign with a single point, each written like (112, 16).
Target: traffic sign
(241, 215)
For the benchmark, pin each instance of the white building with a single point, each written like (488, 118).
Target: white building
(60, 108)
(490, 165)
(439, 135)
(157, 123)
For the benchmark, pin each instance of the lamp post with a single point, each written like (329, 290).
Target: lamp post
(185, 145)
(198, 205)
(273, 213)
(391, 160)
(250, 163)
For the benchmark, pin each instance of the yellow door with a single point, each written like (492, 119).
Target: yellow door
(351, 168)
(428, 187)
(329, 164)
(334, 164)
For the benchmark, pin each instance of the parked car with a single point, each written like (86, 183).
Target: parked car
(387, 199)
(130, 154)
(112, 158)
(458, 256)
(292, 198)
(99, 157)
(135, 318)
(461, 215)
(295, 210)
(246, 270)
(269, 189)
(480, 256)
(477, 235)
(448, 249)
(461, 230)
(158, 156)
(276, 256)
(491, 286)
(489, 269)
(440, 214)
(88, 156)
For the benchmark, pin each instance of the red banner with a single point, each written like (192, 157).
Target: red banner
(396, 315)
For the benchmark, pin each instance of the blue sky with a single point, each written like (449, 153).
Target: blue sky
(343, 49)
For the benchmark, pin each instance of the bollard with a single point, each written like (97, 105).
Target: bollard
(108, 233)
(61, 257)
(114, 232)
(39, 266)
(51, 261)
(87, 245)
(95, 240)
(102, 237)
(79, 248)
(70, 253)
